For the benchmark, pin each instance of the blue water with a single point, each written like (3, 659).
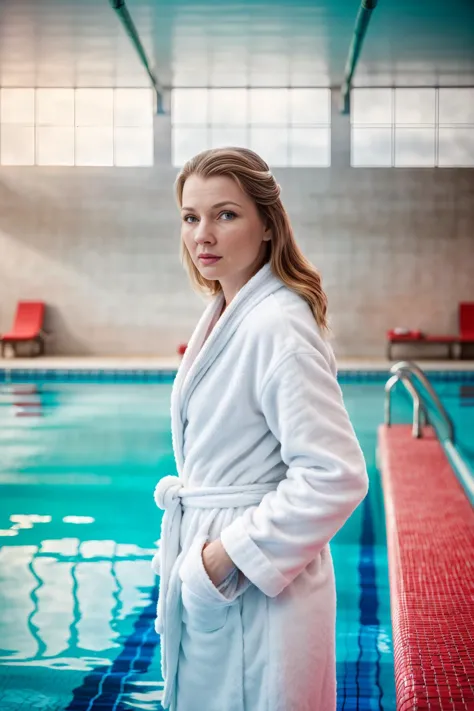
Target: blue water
(78, 525)
(458, 399)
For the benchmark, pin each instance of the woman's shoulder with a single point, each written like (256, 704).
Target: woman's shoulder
(283, 324)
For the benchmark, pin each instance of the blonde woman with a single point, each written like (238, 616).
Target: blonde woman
(269, 467)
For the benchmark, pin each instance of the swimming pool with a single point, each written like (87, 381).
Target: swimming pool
(458, 399)
(78, 526)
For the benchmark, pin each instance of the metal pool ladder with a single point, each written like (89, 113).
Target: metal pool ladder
(407, 372)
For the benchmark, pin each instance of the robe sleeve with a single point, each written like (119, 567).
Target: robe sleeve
(326, 478)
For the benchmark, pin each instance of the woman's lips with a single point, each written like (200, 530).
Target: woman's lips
(209, 260)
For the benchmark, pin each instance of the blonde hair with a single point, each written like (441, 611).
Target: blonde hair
(287, 261)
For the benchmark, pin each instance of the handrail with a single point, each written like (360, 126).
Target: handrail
(403, 371)
(416, 370)
(420, 415)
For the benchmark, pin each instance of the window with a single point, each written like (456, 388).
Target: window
(17, 126)
(456, 127)
(288, 127)
(82, 127)
(412, 127)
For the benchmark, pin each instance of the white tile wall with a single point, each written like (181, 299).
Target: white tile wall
(101, 247)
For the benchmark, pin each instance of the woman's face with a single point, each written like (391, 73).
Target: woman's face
(218, 218)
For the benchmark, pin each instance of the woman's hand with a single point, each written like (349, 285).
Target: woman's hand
(216, 562)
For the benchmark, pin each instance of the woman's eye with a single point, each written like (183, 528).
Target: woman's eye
(189, 218)
(228, 212)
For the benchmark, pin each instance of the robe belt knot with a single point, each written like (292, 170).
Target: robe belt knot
(167, 491)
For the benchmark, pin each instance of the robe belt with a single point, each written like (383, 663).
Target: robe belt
(171, 496)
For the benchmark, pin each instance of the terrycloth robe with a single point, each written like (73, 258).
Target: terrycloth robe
(267, 460)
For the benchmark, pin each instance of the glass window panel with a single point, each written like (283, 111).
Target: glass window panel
(133, 107)
(187, 142)
(189, 106)
(219, 74)
(17, 145)
(456, 105)
(310, 106)
(94, 146)
(55, 145)
(271, 144)
(17, 106)
(415, 147)
(371, 106)
(371, 147)
(310, 147)
(94, 107)
(456, 147)
(228, 106)
(133, 146)
(269, 106)
(55, 107)
(415, 106)
(235, 136)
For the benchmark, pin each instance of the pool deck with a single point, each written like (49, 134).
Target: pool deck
(172, 363)
(430, 541)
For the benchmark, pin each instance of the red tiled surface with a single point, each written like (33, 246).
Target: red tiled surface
(430, 538)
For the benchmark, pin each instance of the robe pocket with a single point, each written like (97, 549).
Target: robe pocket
(200, 613)
(204, 606)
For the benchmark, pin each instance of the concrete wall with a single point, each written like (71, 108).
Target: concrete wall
(101, 247)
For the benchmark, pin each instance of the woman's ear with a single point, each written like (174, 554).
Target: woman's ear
(267, 236)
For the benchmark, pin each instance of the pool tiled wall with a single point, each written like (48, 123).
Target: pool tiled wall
(101, 247)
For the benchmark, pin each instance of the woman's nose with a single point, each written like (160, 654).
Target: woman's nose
(203, 232)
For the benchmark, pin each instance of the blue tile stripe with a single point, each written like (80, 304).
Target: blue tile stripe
(369, 670)
(104, 687)
(66, 375)
(375, 376)
(359, 683)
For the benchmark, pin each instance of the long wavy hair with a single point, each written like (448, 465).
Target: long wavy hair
(254, 177)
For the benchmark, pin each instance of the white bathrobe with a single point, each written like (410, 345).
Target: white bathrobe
(268, 461)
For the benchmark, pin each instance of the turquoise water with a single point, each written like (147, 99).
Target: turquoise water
(78, 525)
(458, 399)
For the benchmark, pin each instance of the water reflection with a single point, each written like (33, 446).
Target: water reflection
(65, 599)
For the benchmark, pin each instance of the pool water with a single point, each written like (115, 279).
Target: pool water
(458, 399)
(78, 526)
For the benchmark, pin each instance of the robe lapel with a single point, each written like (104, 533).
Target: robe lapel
(197, 360)
(190, 354)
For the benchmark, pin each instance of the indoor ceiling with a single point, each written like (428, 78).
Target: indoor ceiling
(81, 43)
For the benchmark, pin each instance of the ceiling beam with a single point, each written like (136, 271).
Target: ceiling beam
(362, 22)
(125, 18)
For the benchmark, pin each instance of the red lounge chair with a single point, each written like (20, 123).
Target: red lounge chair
(28, 326)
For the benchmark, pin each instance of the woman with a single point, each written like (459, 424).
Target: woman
(269, 467)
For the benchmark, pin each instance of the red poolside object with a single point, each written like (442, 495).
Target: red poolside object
(28, 326)
(410, 336)
(430, 544)
(466, 334)
(182, 348)
(466, 322)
